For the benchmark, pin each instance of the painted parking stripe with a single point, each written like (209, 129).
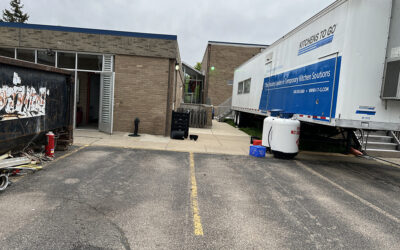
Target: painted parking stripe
(70, 153)
(365, 202)
(198, 228)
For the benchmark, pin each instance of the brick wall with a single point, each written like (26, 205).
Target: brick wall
(225, 59)
(144, 72)
(141, 90)
(74, 41)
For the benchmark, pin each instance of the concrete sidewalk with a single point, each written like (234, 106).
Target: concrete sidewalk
(220, 139)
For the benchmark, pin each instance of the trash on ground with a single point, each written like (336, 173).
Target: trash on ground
(194, 137)
(18, 164)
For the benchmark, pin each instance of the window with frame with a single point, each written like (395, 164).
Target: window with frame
(240, 88)
(26, 55)
(7, 52)
(90, 62)
(66, 60)
(46, 57)
(246, 87)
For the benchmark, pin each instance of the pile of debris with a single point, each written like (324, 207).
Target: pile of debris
(19, 164)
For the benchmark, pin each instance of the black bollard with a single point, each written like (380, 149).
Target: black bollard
(136, 130)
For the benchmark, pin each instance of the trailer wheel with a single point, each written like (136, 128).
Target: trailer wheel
(235, 117)
(3, 182)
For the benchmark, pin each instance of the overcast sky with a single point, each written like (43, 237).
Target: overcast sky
(194, 22)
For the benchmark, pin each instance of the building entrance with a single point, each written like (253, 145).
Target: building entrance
(88, 100)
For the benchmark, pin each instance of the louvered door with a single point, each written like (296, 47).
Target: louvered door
(107, 96)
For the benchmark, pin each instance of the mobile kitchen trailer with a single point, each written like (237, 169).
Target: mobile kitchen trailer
(339, 68)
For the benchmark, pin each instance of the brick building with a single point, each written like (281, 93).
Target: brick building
(219, 63)
(119, 75)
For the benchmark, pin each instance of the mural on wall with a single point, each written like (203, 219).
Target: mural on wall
(21, 101)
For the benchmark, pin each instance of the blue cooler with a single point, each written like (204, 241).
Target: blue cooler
(257, 151)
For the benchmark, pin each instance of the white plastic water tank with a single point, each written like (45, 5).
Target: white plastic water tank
(285, 137)
(266, 131)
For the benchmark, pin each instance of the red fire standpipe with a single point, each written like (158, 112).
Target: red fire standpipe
(50, 144)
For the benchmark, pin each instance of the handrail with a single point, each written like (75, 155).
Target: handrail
(396, 136)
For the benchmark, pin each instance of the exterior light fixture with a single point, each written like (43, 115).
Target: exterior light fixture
(176, 66)
(212, 68)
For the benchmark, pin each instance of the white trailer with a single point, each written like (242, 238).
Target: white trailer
(339, 68)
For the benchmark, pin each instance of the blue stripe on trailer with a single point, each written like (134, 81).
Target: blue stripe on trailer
(316, 45)
(365, 112)
(309, 90)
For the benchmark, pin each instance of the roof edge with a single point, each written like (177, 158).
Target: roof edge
(238, 44)
(87, 30)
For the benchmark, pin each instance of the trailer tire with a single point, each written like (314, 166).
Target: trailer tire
(235, 117)
(3, 182)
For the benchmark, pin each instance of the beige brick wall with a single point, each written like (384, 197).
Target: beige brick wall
(225, 59)
(141, 90)
(74, 41)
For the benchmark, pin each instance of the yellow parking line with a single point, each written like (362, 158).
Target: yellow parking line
(198, 228)
(365, 202)
(70, 153)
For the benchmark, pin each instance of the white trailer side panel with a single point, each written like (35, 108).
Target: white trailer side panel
(288, 55)
(362, 70)
(328, 70)
(253, 70)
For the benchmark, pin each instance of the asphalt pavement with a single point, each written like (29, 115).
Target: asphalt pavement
(119, 198)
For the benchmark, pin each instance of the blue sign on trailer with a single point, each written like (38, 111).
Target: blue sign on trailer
(309, 90)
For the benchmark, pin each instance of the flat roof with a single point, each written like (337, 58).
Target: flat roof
(238, 44)
(87, 30)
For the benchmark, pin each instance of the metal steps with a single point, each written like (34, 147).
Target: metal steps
(383, 153)
(379, 143)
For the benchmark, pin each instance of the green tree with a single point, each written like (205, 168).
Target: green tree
(15, 14)
(198, 66)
